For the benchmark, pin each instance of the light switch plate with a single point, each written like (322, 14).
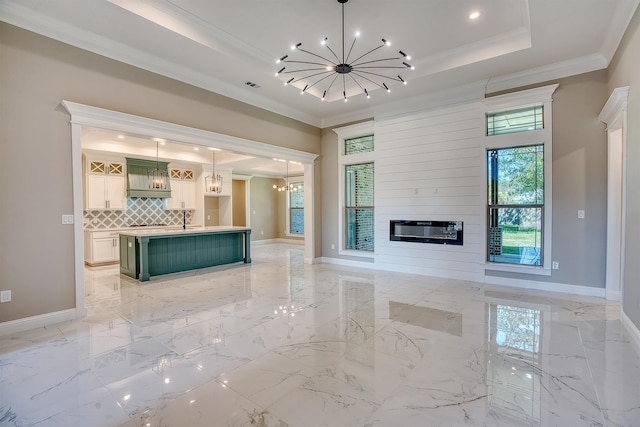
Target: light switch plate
(67, 219)
(580, 214)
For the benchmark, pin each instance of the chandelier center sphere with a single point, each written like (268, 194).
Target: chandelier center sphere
(343, 68)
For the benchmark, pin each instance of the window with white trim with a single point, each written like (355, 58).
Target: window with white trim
(356, 166)
(296, 209)
(518, 146)
(358, 207)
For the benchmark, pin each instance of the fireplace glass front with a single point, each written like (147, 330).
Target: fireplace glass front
(441, 232)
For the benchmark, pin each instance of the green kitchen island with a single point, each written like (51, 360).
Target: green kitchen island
(152, 252)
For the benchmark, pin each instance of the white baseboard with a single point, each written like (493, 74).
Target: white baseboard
(633, 330)
(278, 240)
(470, 276)
(613, 296)
(313, 260)
(39, 321)
(347, 262)
(546, 286)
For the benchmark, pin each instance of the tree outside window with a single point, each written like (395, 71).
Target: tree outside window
(296, 209)
(516, 204)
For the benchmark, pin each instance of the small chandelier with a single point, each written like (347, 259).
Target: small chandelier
(317, 73)
(288, 186)
(157, 178)
(213, 183)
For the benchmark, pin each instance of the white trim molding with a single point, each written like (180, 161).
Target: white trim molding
(39, 321)
(546, 286)
(614, 115)
(632, 329)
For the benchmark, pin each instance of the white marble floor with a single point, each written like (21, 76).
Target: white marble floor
(281, 343)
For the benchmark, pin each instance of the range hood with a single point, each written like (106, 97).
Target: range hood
(138, 182)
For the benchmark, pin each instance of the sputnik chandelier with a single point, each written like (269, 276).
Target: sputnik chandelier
(326, 75)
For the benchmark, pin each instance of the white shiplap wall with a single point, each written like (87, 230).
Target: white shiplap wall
(430, 166)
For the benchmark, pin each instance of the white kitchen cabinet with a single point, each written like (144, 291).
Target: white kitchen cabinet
(105, 185)
(101, 247)
(183, 190)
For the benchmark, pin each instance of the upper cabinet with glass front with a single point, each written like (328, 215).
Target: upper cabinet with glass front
(183, 189)
(105, 185)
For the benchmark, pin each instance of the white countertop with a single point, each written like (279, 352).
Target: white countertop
(172, 231)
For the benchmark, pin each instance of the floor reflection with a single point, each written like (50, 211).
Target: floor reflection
(426, 317)
(280, 342)
(514, 333)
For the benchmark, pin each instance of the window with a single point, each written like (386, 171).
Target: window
(521, 120)
(515, 188)
(363, 144)
(519, 213)
(356, 157)
(359, 207)
(296, 209)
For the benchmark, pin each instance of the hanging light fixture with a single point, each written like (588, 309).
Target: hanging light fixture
(355, 73)
(288, 186)
(213, 183)
(158, 178)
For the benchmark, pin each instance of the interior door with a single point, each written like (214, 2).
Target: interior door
(239, 202)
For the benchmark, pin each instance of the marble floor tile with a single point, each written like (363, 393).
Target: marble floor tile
(283, 343)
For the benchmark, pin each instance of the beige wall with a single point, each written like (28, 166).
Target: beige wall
(625, 71)
(265, 210)
(36, 73)
(211, 211)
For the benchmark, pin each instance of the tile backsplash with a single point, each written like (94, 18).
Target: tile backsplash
(139, 211)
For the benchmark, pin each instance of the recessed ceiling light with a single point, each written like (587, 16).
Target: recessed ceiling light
(195, 149)
(120, 136)
(474, 15)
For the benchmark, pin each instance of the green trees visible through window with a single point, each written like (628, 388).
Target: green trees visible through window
(359, 207)
(516, 204)
(296, 209)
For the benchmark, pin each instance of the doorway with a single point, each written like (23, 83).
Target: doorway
(94, 117)
(239, 200)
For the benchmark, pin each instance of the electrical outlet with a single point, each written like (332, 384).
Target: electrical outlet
(555, 265)
(5, 296)
(333, 246)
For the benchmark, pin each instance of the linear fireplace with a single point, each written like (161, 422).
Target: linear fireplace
(441, 232)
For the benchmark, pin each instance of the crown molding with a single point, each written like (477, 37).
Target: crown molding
(621, 19)
(547, 73)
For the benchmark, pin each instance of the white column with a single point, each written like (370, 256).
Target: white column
(309, 214)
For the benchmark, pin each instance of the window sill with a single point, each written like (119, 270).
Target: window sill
(300, 236)
(521, 269)
(358, 254)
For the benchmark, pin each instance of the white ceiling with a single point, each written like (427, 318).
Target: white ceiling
(221, 45)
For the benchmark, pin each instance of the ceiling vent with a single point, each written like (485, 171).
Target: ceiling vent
(252, 84)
